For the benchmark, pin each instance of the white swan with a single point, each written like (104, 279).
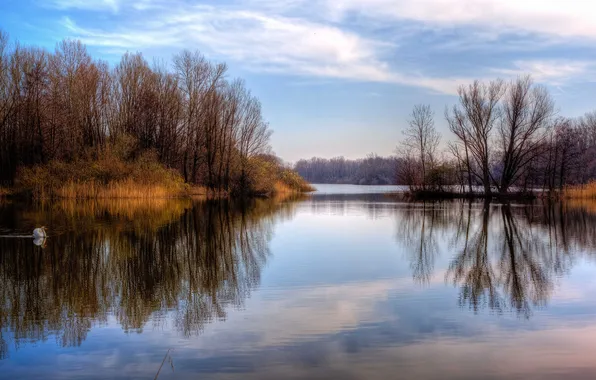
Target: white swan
(40, 233)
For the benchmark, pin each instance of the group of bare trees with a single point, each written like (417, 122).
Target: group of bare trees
(507, 136)
(62, 105)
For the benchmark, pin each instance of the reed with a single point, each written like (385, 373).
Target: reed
(281, 188)
(103, 177)
(121, 189)
(585, 191)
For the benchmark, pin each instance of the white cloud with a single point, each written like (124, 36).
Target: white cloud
(264, 43)
(554, 72)
(126, 39)
(308, 39)
(85, 4)
(570, 18)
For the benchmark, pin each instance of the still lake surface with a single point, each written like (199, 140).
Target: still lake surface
(344, 284)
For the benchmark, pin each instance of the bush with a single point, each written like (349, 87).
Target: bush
(294, 181)
(266, 176)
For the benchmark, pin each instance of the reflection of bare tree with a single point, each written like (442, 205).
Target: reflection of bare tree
(417, 229)
(525, 276)
(506, 257)
(514, 265)
(472, 267)
(3, 347)
(202, 259)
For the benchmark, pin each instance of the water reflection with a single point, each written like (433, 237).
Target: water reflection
(504, 257)
(339, 298)
(135, 261)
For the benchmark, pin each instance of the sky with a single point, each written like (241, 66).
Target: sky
(340, 77)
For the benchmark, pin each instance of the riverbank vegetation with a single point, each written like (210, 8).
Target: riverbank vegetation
(72, 126)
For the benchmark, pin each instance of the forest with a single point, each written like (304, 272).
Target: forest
(72, 126)
(372, 170)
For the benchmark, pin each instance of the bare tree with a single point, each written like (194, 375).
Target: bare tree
(421, 140)
(472, 123)
(527, 110)
(252, 136)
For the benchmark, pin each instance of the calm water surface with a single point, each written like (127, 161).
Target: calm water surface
(339, 285)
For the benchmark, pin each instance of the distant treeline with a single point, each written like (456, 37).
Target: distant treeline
(372, 170)
(66, 107)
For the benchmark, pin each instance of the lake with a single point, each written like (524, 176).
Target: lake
(347, 283)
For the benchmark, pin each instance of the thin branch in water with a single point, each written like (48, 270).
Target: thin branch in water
(163, 361)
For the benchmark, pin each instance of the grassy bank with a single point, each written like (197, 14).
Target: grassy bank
(106, 176)
(101, 177)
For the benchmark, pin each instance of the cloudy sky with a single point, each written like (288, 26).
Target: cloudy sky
(339, 77)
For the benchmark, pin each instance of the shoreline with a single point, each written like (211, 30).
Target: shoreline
(447, 195)
(140, 192)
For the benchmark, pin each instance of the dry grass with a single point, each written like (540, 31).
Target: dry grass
(281, 188)
(586, 191)
(102, 177)
(122, 189)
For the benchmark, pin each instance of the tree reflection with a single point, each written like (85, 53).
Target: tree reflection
(186, 261)
(471, 266)
(417, 227)
(504, 257)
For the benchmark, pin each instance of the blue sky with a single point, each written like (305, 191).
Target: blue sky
(339, 77)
